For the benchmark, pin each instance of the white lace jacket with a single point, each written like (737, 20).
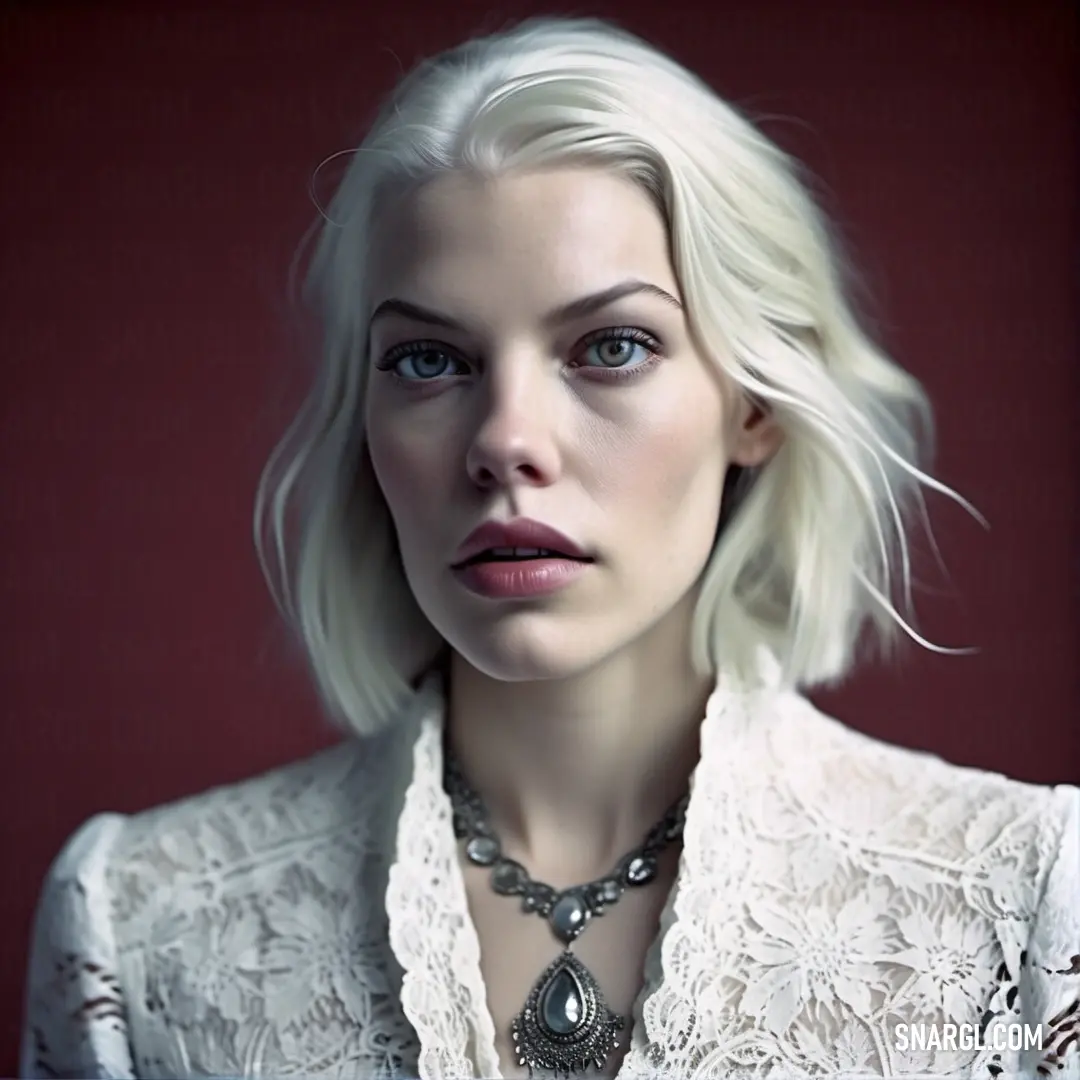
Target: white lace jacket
(313, 922)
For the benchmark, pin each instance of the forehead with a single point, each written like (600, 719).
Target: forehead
(507, 242)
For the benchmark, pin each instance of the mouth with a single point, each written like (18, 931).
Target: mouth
(519, 555)
(521, 541)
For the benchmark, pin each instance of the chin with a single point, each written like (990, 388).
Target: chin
(520, 650)
(518, 663)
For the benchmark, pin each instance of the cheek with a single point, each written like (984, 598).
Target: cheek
(410, 470)
(661, 461)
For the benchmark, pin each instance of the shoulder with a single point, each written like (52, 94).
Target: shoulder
(192, 898)
(285, 803)
(320, 823)
(227, 839)
(333, 799)
(829, 749)
(913, 802)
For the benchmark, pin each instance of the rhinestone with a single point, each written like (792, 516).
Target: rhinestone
(677, 826)
(508, 877)
(562, 1004)
(482, 850)
(641, 870)
(569, 916)
(610, 891)
(546, 897)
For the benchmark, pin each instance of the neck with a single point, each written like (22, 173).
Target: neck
(574, 772)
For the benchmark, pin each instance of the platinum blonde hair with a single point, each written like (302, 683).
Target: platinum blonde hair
(812, 554)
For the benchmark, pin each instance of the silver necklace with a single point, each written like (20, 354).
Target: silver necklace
(565, 1025)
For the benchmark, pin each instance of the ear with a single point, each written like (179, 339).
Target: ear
(755, 434)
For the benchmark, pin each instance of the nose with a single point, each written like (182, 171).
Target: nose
(515, 442)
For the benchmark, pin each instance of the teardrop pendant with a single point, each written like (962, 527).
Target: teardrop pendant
(565, 1026)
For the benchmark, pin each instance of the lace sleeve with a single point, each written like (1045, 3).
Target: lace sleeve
(75, 1024)
(1051, 964)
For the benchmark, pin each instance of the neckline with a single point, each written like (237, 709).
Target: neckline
(436, 985)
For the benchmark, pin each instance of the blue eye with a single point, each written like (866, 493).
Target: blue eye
(621, 349)
(617, 352)
(420, 363)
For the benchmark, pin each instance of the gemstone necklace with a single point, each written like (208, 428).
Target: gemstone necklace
(565, 1025)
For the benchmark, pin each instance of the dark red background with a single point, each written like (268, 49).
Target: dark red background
(154, 163)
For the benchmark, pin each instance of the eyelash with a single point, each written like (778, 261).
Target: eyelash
(615, 333)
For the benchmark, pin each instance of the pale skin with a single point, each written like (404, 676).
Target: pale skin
(574, 715)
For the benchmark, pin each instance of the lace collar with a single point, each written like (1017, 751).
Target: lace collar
(436, 944)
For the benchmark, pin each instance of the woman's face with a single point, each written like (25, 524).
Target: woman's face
(531, 361)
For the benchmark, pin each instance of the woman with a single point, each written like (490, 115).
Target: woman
(599, 470)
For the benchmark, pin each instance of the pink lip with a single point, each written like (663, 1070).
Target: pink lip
(519, 580)
(522, 533)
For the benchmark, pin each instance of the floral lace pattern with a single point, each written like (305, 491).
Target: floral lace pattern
(313, 922)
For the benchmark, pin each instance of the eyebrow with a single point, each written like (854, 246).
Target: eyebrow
(575, 309)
